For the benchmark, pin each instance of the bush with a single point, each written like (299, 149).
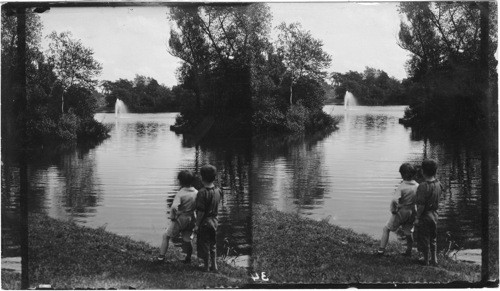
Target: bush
(67, 127)
(296, 118)
(39, 128)
(92, 129)
(319, 120)
(268, 119)
(81, 101)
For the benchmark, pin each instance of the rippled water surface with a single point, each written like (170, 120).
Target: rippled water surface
(350, 175)
(127, 183)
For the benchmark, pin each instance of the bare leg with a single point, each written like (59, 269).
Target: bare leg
(385, 238)
(189, 251)
(213, 257)
(164, 245)
(409, 244)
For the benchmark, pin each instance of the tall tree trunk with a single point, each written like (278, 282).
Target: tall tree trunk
(197, 90)
(23, 168)
(484, 90)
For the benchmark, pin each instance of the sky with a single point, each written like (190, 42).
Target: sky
(134, 40)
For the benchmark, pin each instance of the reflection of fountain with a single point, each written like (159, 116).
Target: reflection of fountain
(349, 100)
(120, 107)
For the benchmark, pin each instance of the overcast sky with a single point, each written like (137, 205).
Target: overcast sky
(130, 41)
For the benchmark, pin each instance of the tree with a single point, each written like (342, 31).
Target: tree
(143, 94)
(33, 56)
(302, 55)
(218, 45)
(372, 87)
(442, 34)
(73, 63)
(445, 66)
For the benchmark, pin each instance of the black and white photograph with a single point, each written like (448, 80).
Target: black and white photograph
(194, 145)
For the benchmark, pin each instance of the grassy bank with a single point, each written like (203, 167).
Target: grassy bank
(69, 256)
(291, 249)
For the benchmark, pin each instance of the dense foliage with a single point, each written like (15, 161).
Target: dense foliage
(372, 87)
(143, 94)
(288, 85)
(448, 83)
(237, 76)
(61, 99)
(218, 45)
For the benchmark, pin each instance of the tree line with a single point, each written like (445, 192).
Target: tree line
(371, 87)
(60, 85)
(143, 94)
(234, 73)
(238, 76)
(452, 69)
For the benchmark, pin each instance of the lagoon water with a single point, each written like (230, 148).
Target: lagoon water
(126, 183)
(349, 176)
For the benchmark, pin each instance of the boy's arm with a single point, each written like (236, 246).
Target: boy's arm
(420, 202)
(200, 210)
(175, 206)
(199, 217)
(395, 200)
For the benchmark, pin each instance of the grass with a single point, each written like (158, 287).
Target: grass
(10, 280)
(294, 250)
(69, 256)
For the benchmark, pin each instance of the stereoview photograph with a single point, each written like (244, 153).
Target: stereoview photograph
(185, 145)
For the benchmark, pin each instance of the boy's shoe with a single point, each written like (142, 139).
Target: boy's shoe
(379, 252)
(159, 260)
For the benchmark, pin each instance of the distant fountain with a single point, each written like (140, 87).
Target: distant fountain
(120, 108)
(349, 100)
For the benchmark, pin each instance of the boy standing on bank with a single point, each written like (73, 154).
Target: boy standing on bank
(207, 208)
(182, 216)
(402, 209)
(428, 194)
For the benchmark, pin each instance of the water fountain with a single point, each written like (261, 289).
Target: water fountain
(120, 108)
(349, 100)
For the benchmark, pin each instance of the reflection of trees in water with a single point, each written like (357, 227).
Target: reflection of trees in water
(149, 129)
(232, 159)
(41, 162)
(10, 187)
(306, 165)
(299, 179)
(138, 129)
(10, 210)
(369, 122)
(460, 208)
(64, 174)
(81, 194)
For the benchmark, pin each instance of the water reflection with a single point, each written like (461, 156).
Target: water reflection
(351, 174)
(128, 182)
(11, 239)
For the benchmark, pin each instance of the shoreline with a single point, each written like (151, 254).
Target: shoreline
(68, 256)
(292, 249)
(287, 249)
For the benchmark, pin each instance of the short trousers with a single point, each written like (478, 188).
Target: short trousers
(183, 226)
(395, 222)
